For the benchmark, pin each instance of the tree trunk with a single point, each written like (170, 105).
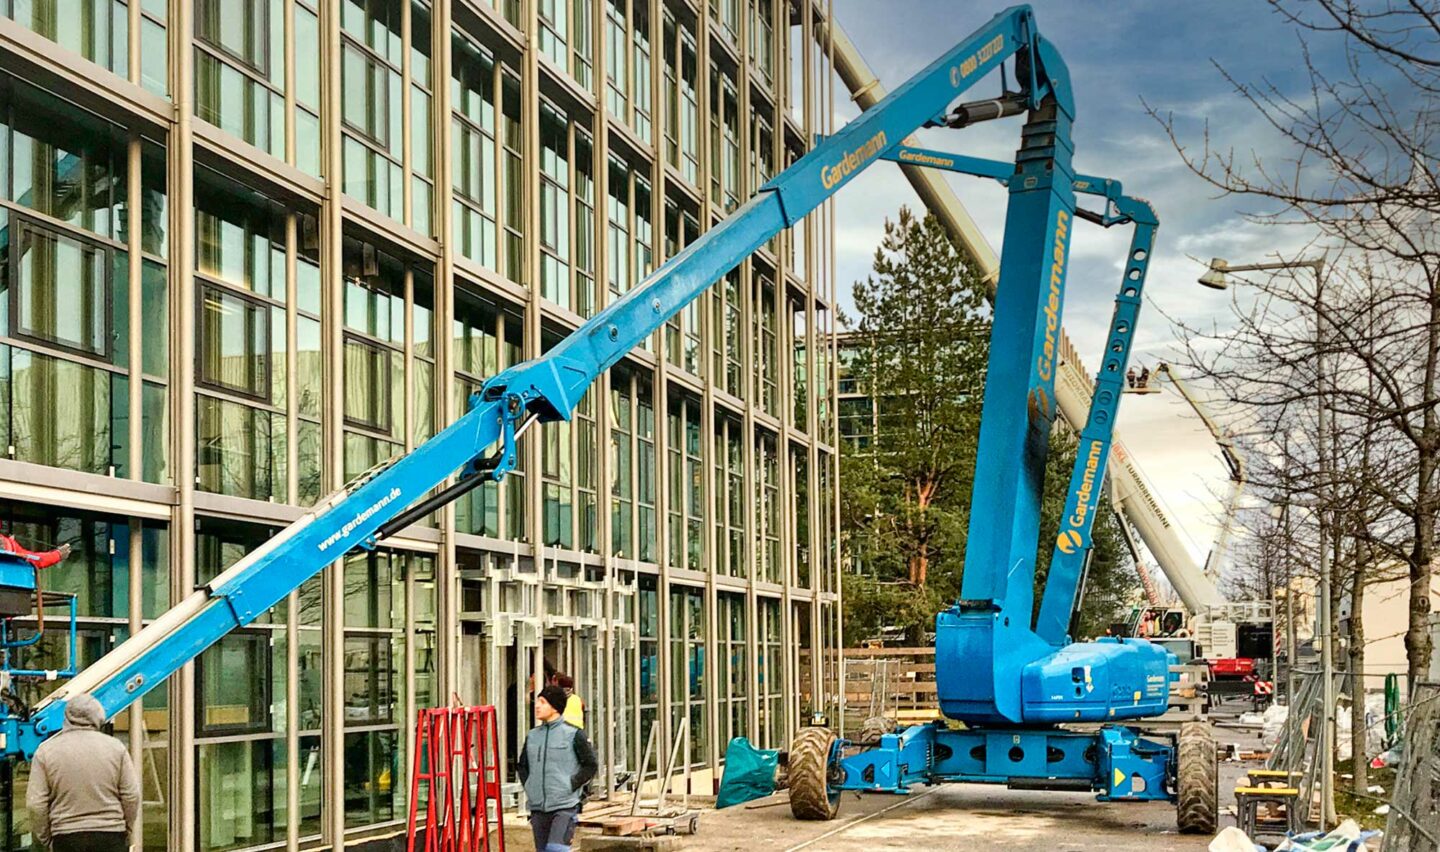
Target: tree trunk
(1359, 765)
(1417, 633)
(920, 560)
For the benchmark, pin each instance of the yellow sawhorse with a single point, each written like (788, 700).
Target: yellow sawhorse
(1247, 810)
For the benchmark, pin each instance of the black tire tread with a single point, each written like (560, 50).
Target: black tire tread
(808, 775)
(1197, 778)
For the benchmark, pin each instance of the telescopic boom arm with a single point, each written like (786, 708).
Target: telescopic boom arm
(548, 388)
(1082, 497)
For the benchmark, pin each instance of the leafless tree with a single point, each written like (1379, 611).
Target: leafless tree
(1360, 176)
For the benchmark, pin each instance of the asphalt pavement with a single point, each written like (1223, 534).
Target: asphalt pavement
(966, 817)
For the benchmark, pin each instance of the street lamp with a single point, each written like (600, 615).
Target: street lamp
(1215, 279)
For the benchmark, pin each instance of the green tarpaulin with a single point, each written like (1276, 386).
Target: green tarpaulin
(749, 773)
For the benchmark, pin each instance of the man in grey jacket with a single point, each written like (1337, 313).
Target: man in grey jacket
(555, 765)
(84, 795)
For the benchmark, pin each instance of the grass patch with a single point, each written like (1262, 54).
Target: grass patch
(1361, 807)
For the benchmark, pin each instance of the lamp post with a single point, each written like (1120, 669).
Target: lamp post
(1215, 277)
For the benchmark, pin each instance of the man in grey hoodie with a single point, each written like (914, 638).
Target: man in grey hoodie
(555, 765)
(84, 795)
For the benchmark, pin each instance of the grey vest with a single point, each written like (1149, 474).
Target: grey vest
(550, 749)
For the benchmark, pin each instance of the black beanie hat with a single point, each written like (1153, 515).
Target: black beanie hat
(555, 696)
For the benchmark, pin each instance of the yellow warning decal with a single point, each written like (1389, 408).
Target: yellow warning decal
(1119, 779)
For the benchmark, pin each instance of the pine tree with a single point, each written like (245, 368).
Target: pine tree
(923, 332)
(922, 343)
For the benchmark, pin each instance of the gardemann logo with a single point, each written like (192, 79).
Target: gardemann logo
(359, 519)
(1045, 365)
(1087, 486)
(1072, 538)
(830, 176)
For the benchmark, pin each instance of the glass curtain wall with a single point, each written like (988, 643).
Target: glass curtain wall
(374, 115)
(249, 318)
(687, 668)
(770, 675)
(66, 359)
(687, 503)
(389, 310)
(682, 331)
(732, 678)
(241, 68)
(85, 381)
(110, 604)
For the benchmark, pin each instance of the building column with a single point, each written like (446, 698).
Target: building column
(447, 573)
(182, 385)
(332, 736)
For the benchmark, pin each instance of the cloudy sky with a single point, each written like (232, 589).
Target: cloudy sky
(1119, 52)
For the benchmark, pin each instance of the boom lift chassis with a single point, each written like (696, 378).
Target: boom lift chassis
(1012, 684)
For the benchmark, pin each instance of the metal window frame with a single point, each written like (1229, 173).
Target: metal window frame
(385, 426)
(202, 19)
(204, 284)
(21, 226)
(378, 142)
(265, 687)
(388, 678)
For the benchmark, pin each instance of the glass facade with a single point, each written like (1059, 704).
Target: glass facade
(325, 294)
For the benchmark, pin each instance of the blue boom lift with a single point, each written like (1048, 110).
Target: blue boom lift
(1017, 683)
(1014, 685)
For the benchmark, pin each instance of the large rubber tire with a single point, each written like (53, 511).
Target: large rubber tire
(810, 796)
(1197, 778)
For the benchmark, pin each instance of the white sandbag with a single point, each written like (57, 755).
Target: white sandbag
(1232, 839)
(1342, 735)
(1273, 723)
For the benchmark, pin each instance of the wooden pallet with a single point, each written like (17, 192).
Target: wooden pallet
(624, 826)
(631, 826)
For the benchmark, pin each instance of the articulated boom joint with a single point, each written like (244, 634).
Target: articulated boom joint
(513, 420)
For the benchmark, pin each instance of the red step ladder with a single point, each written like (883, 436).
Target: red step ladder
(456, 767)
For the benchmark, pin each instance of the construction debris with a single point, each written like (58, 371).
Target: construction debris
(1346, 837)
(1232, 839)
(623, 826)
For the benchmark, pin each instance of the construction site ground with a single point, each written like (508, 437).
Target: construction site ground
(952, 817)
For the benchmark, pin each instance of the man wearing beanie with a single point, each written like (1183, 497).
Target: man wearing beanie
(555, 765)
(84, 795)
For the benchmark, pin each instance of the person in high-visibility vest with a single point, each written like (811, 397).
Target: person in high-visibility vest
(574, 706)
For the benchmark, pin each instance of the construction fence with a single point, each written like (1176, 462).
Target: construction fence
(1414, 820)
(897, 684)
